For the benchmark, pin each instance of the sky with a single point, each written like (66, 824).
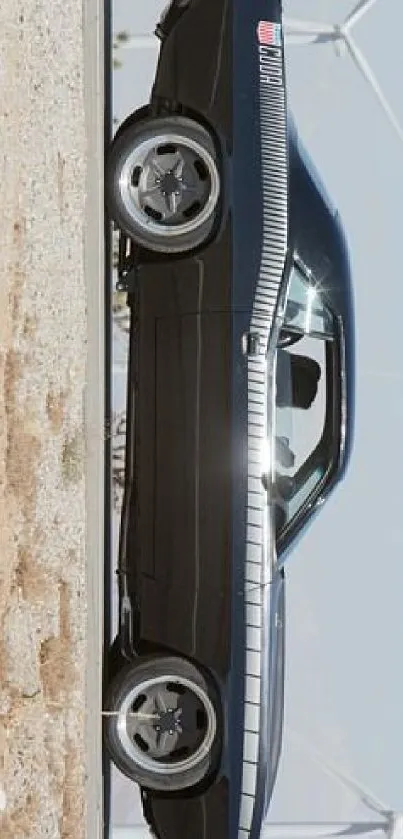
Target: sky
(344, 683)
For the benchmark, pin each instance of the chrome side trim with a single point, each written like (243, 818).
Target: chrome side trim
(343, 377)
(260, 546)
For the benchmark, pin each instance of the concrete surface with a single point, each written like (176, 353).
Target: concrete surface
(94, 258)
(51, 358)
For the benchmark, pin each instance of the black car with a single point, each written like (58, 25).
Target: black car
(240, 412)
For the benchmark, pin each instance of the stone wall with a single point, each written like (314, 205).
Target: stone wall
(43, 355)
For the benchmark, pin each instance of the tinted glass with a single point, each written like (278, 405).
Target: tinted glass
(301, 455)
(305, 310)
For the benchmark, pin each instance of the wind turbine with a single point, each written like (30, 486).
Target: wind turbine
(313, 32)
(328, 830)
(391, 824)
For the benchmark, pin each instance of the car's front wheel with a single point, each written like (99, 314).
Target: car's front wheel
(161, 726)
(163, 183)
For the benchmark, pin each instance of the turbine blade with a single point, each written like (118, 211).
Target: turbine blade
(318, 830)
(366, 71)
(305, 40)
(139, 42)
(350, 783)
(294, 26)
(300, 39)
(361, 8)
(308, 38)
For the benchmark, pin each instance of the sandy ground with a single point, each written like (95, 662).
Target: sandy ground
(43, 338)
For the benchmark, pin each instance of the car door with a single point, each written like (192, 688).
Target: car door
(178, 544)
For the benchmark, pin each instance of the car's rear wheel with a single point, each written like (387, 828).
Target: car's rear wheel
(163, 183)
(161, 728)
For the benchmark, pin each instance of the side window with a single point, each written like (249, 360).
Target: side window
(303, 400)
(306, 312)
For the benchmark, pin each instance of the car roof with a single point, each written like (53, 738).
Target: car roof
(319, 239)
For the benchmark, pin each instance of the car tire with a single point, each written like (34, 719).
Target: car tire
(163, 183)
(167, 760)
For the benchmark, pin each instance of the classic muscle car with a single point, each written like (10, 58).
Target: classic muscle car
(240, 412)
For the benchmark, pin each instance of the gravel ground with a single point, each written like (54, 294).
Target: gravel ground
(43, 357)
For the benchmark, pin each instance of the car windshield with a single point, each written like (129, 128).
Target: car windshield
(303, 400)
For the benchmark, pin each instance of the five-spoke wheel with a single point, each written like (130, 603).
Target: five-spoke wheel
(161, 725)
(163, 183)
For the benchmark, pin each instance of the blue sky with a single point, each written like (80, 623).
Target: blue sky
(344, 688)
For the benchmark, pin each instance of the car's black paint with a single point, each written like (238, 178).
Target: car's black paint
(184, 519)
(319, 239)
(170, 16)
(201, 42)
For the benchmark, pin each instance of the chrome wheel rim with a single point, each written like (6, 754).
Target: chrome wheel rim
(166, 725)
(169, 185)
